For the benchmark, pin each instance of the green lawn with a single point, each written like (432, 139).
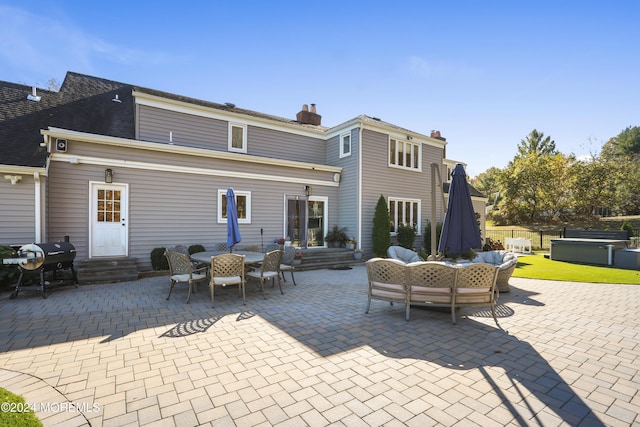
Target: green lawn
(14, 413)
(538, 267)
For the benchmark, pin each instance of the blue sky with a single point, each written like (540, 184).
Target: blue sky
(483, 73)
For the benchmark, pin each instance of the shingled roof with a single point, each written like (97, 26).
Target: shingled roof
(84, 103)
(473, 191)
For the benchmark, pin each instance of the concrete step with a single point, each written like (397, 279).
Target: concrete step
(106, 270)
(315, 259)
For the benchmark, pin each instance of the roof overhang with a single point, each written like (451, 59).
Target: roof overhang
(177, 149)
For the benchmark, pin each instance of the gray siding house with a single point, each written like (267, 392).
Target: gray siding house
(122, 169)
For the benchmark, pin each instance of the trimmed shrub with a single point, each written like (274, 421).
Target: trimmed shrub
(492, 245)
(406, 235)
(628, 227)
(195, 249)
(158, 260)
(427, 236)
(380, 236)
(8, 273)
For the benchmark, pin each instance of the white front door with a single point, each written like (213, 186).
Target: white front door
(109, 214)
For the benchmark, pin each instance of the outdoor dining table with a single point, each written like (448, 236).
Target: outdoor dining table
(249, 257)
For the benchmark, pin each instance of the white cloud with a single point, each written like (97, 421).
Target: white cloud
(42, 47)
(441, 69)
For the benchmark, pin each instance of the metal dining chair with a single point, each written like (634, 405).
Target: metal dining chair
(181, 270)
(269, 270)
(227, 269)
(286, 264)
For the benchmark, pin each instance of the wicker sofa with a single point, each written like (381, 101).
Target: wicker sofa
(432, 284)
(505, 261)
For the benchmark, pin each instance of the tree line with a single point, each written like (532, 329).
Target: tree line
(541, 184)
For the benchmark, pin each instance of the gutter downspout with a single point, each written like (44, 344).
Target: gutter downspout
(359, 189)
(38, 207)
(435, 170)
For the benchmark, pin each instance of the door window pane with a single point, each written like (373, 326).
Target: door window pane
(315, 223)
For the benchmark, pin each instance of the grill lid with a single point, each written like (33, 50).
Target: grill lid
(34, 256)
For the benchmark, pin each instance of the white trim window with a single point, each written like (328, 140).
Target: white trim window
(405, 154)
(237, 137)
(243, 204)
(404, 211)
(345, 144)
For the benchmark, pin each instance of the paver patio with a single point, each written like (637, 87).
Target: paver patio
(120, 354)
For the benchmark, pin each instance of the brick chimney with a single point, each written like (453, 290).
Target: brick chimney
(436, 135)
(307, 117)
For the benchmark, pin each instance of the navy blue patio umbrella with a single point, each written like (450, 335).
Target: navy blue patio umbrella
(233, 230)
(460, 232)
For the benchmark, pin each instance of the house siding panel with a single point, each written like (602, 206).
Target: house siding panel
(378, 178)
(17, 214)
(170, 208)
(282, 145)
(347, 206)
(212, 134)
(190, 131)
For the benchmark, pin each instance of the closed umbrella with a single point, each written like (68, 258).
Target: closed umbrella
(233, 230)
(460, 232)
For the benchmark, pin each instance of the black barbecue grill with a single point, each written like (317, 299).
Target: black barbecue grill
(43, 258)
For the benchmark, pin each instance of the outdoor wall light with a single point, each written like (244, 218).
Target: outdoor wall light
(108, 176)
(307, 190)
(13, 178)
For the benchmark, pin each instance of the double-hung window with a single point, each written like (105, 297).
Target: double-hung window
(404, 211)
(405, 154)
(243, 206)
(345, 144)
(237, 137)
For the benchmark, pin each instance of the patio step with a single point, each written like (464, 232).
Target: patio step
(316, 259)
(106, 270)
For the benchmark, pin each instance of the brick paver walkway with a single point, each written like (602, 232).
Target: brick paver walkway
(120, 354)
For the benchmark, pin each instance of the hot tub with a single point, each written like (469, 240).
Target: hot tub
(588, 251)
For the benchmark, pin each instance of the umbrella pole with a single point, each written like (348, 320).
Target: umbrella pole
(433, 256)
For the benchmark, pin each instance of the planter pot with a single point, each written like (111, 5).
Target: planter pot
(334, 244)
(357, 255)
(350, 245)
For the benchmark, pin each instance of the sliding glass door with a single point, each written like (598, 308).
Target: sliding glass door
(306, 220)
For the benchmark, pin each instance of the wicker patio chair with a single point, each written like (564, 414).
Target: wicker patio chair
(387, 281)
(227, 269)
(272, 247)
(288, 256)
(181, 249)
(181, 270)
(221, 247)
(476, 286)
(269, 270)
(505, 260)
(430, 284)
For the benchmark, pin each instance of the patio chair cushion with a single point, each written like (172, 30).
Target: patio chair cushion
(505, 261)
(403, 254)
(230, 280)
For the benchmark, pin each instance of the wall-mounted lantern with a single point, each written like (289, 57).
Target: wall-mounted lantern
(108, 176)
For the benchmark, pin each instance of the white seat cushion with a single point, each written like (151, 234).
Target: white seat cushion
(185, 277)
(226, 280)
(266, 275)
